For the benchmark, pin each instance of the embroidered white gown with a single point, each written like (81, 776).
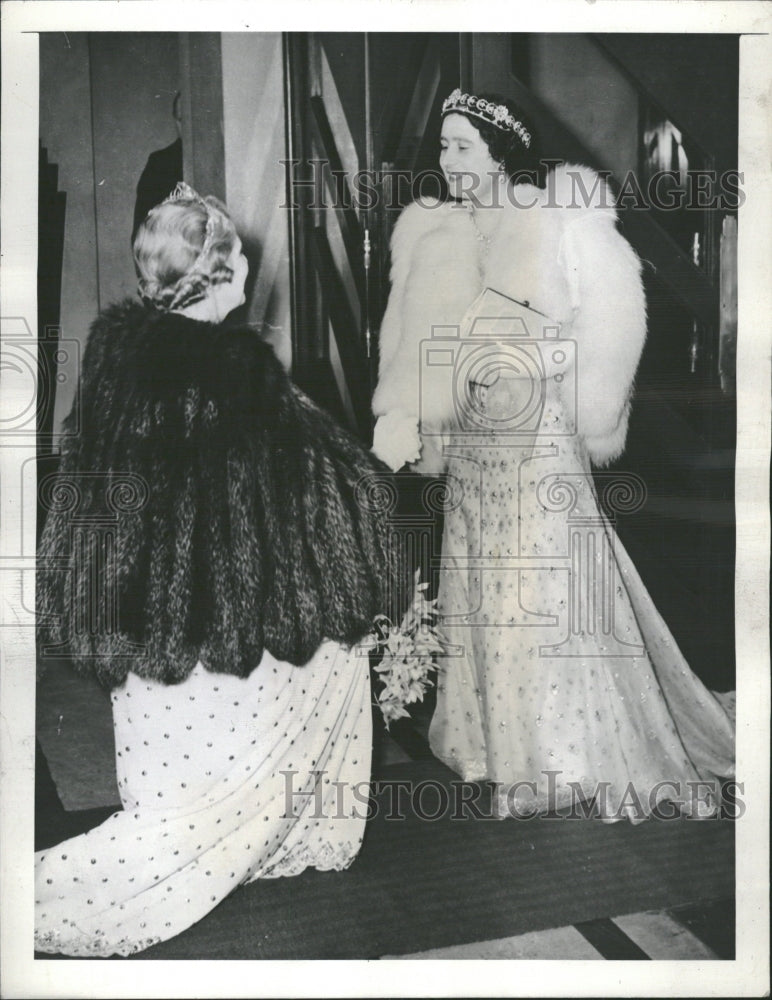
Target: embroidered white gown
(562, 682)
(223, 781)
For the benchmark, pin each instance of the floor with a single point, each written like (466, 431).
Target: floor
(686, 933)
(701, 931)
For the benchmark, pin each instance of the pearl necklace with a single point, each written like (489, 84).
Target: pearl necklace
(484, 241)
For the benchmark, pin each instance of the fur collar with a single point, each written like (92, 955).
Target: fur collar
(556, 248)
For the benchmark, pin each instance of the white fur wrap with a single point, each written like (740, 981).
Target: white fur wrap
(550, 248)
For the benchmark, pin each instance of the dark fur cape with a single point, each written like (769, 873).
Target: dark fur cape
(243, 524)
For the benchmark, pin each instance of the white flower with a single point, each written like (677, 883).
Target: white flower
(408, 654)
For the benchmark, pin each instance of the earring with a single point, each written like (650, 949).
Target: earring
(502, 168)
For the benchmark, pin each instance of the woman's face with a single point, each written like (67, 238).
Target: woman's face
(230, 294)
(465, 160)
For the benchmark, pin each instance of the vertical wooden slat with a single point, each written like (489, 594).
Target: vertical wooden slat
(330, 121)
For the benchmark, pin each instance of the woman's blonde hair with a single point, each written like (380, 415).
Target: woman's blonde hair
(182, 248)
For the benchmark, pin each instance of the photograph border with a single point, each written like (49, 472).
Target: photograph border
(748, 974)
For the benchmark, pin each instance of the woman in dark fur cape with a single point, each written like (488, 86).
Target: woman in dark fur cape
(248, 495)
(212, 555)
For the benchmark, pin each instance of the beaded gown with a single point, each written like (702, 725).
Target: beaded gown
(562, 683)
(223, 780)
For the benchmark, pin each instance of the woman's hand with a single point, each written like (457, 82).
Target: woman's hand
(396, 440)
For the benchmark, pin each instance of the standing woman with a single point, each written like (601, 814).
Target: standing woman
(563, 683)
(226, 618)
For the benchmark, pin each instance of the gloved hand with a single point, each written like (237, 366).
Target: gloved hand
(396, 440)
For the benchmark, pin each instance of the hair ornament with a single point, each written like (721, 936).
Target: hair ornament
(495, 114)
(184, 192)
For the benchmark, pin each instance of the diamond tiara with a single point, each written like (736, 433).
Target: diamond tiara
(495, 114)
(184, 192)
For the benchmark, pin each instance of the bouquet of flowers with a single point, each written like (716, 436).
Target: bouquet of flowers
(408, 654)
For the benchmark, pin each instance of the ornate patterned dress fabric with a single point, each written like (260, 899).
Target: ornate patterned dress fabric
(223, 781)
(562, 675)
